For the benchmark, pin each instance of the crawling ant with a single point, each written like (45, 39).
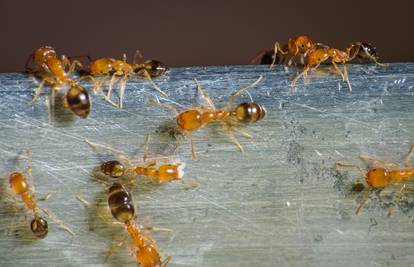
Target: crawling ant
(110, 67)
(316, 57)
(297, 46)
(19, 185)
(143, 247)
(194, 119)
(383, 174)
(52, 69)
(151, 168)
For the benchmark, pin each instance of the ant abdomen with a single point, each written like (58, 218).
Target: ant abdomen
(78, 101)
(120, 203)
(249, 112)
(39, 227)
(113, 168)
(154, 68)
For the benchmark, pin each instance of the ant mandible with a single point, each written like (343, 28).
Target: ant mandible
(192, 120)
(143, 247)
(52, 69)
(120, 68)
(383, 174)
(19, 185)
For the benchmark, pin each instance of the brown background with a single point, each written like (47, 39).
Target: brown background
(186, 33)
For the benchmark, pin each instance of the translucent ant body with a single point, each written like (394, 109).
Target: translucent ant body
(143, 247)
(157, 173)
(194, 119)
(384, 173)
(52, 69)
(19, 185)
(125, 71)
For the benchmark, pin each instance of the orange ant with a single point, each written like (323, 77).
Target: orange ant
(194, 119)
(19, 185)
(120, 68)
(143, 247)
(52, 69)
(157, 173)
(384, 174)
(299, 45)
(317, 56)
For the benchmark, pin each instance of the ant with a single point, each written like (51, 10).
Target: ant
(317, 56)
(52, 69)
(194, 119)
(120, 68)
(383, 174)
(157, 173)
(143, 247)
(19, 185)
(299, 45)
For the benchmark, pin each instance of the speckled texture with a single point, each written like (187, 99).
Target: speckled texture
(280, 204)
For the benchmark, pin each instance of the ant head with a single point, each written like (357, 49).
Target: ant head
(300, 44)
(377, 177)
(44, 53)
(39, 227)
(189, 120)
(148, 256)
(154, 68)
(77, 100)
(113, 168)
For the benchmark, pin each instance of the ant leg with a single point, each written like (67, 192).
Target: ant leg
(275, 50)
(117, 154)
(156, 101)
(338, 71)
(238, 130)
(240, 91)
(111, 84)
(407, 158)
(39, 89)
(364, 200)
(378, 161)
(147, 76)
(146, 145)
(73, 66)
(347, 78)
(55, 219)
(190, 139)
(228, 130)
(398, 198)
(49, 195)
(115, 247)
(204, 95)
(156, 229)
(166, 261)
(303, 73)
(122, 90)
(348, 165)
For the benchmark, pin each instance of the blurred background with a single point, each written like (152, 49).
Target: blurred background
(187, 33)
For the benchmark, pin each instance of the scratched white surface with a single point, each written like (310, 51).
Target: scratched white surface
(279, 204)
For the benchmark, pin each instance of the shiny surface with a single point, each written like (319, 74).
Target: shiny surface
(281, 203)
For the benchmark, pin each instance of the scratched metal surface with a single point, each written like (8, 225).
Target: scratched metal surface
(279, 204)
